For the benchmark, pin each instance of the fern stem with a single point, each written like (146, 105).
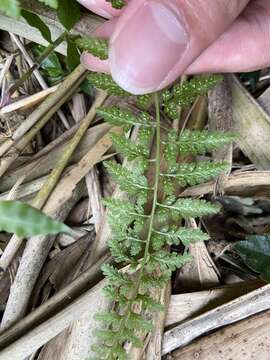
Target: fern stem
(155, 195)
(134, 295)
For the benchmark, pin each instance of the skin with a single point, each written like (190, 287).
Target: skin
(153, 42)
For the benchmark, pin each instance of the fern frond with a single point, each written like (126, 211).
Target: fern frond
(132, 182)
(118, 251)
(185, 94)
(175, 235)
(106, 83)
(182, 93)
(136, 321)
(163, 260)
(116, 277)
(196, 173)
(129, 336)
(109, 318)
(95, 46)
(142, 228)
(128, 148)
(149, 282)
(171, 150)
(143, 101)
(199, 142)
(149, 304)
(188, 208)
(122, 117)
(105, 335)
(121, 214)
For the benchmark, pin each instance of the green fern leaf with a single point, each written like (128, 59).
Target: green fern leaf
(132, 182)
(144, 101)
(188, 208)
(137, 322)
(149, 282)
(118, 251)
(149, 304)
(163, 260)
(185, 94)
(199, 142)
(109, 318)
(121, 211)
(122, 117)
(196, 173)
(105, 335)
(172, 109)
(129, 336)
(171, 150)
(187, 236)
(95, 46)
(115, 277)
(25, 221)
(106, 83)
(128, 148)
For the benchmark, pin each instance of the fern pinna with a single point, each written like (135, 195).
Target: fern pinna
(143, 226)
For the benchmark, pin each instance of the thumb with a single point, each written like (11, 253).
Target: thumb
(154, 41)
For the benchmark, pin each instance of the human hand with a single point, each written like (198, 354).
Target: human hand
(152, 42)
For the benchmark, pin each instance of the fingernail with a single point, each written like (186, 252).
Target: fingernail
(147, 47)
(101, 8)
(93, 63)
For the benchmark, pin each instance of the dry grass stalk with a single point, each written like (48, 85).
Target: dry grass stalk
(39, 117)
(38, 75)
(30, 266)
(248, 339)
(50, 183)
(236, 310)
(28, 101)
(221, 119)
(41, 334)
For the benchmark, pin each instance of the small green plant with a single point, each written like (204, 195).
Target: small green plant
(255, 252)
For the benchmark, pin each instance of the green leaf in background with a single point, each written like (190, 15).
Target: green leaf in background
(51, 67)
(73, 56)
(255, 252)
(35, 21)
(10, 7)
(24, 220)
(68, 13)
(52, 3)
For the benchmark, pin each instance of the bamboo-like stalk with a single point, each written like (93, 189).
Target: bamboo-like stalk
(28, 101)
(40, 59)
(63, 297)
(43, 113)
(37, 74)
(41, 116)
(45, 191)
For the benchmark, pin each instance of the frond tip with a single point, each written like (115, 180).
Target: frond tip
(196, 173)
(188, 208)
(199, 142)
